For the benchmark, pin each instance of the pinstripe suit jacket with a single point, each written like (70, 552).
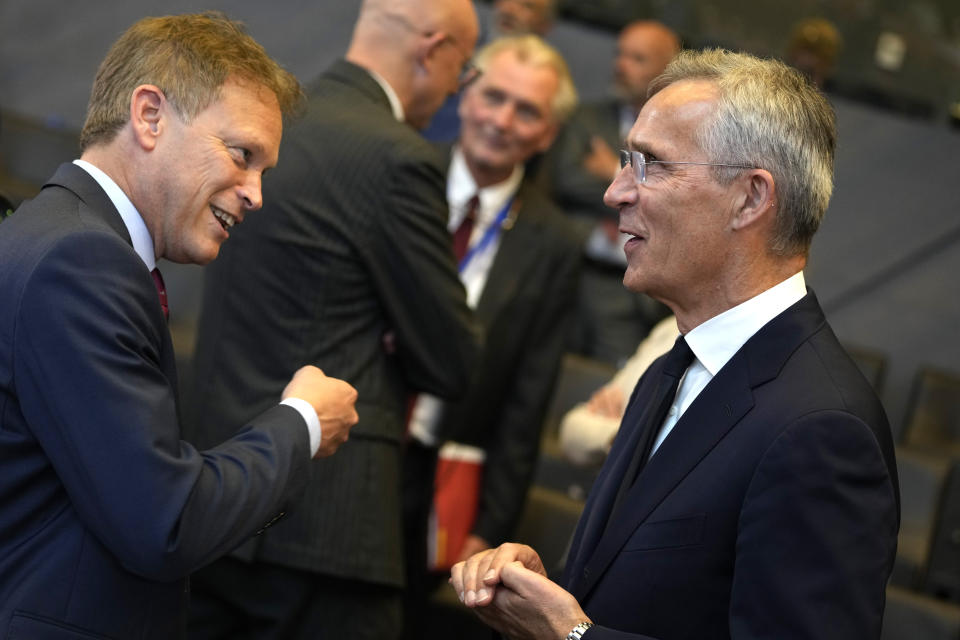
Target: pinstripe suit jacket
(351, 245)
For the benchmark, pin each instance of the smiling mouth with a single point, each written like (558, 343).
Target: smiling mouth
(225, 219)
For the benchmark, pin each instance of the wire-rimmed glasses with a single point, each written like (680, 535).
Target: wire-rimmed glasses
(638, 160)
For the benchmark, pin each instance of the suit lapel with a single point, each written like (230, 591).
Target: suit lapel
(719, 407)
(696, 433)
(517, 251)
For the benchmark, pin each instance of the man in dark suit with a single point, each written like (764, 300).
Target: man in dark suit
(363, 283)
(576, 171)
(519, 264)
(768, 507)
(104, 510)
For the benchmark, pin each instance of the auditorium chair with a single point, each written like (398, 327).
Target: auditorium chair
(933, 413)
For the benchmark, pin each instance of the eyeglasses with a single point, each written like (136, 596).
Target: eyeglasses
(638, 160)
(469, 71)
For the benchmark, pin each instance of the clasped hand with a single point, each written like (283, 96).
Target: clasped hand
(508, 589)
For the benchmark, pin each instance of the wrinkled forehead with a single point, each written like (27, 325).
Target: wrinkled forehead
(674, 115)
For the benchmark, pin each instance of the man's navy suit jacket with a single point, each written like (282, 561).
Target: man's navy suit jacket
(769, 511)
(103, 509)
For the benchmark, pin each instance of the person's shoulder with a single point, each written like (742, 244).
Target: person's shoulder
(49, 219)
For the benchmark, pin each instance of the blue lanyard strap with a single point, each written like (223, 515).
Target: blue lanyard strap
(488, 236)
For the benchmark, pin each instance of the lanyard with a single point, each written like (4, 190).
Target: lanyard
(488, 236)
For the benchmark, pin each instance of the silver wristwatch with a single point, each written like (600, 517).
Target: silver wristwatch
(578, 631)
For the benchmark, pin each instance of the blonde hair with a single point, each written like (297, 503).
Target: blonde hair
(532, 49)
(189, 57)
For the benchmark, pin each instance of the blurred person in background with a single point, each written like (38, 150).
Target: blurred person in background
(519, 261)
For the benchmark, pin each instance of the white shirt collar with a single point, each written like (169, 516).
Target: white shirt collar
(461, 187)
(392, 97)
(716, 341)
(139, 235)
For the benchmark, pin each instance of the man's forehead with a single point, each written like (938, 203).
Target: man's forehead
(684, 99)
(506, 64)
(675, 109)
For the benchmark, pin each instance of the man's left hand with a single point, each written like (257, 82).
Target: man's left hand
(529, 606)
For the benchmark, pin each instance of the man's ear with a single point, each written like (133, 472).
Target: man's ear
(148, 106)
(427, 46)
(757, 200)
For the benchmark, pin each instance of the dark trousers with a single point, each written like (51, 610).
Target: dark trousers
(419, 469)
(239, 600)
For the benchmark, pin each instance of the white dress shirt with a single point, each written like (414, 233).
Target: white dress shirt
(143, 245)
(461, 187)
(717, 340)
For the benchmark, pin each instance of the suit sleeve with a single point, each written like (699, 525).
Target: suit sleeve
(99, 395)
(817, 533)
(513, 452)
(436, 336)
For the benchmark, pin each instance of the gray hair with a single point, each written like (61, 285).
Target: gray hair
(534, 50)
(768, 116)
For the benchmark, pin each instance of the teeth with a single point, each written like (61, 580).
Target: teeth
(223, 216)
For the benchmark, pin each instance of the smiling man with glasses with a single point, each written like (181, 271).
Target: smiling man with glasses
(751, 491)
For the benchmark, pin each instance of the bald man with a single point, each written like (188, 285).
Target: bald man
(611, 319)
(350, 266)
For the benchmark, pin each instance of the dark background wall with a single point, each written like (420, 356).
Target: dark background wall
(885, 263)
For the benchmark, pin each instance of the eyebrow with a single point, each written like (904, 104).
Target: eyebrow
(643, 147)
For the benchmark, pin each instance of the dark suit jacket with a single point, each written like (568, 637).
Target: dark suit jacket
(770, 511)
(526, 310)
(103, 508)
(351, 245)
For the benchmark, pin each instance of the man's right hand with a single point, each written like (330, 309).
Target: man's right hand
(332, 399)
(475, 580)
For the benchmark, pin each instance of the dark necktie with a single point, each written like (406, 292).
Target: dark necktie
(461, 237)
(161, 292)
(678, 359)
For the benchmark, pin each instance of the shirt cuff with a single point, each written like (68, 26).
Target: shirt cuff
(305, 409)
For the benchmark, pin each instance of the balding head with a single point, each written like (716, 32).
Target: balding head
(644, 49)
(429, 43)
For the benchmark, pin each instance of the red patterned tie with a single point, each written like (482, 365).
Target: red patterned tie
(461, 237)
(161, 292)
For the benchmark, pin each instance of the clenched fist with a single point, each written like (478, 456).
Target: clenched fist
(332, 399)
